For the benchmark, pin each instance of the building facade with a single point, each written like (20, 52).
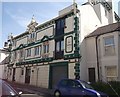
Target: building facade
(56, 49)
(104, 51)
(3, 63)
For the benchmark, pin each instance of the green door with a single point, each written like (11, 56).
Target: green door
(58, 71)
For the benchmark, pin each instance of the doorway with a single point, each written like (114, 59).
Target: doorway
(27, 75)
(91, 74)
(13, 78)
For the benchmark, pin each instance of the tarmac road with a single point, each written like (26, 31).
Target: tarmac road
(31, 95)
(31, 91)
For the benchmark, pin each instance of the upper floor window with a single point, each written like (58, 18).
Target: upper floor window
(59, 46)
(46, 48)
(32, 35)
(59, 49)
(37, 50)
(109, 45)
(29, 52)
(60, 27)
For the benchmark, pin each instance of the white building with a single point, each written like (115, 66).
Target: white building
(56, 49)
(3, 61)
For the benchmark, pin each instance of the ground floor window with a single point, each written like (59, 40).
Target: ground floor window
(111, 73)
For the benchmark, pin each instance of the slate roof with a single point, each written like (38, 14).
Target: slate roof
(105, 29)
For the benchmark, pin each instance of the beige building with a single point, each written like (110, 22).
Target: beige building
(102, 52)
(57, 49)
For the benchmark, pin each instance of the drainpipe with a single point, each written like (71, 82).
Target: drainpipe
(97, 58)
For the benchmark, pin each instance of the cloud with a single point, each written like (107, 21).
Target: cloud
(22, 20)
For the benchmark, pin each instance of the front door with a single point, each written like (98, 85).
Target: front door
(13, 78)
(27, 75)
(91, 74)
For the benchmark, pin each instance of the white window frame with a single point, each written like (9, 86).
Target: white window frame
(37, 50)
(108, 76)
(28, 52)
(109, 45)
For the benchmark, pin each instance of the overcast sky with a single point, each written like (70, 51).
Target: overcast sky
(15, 16)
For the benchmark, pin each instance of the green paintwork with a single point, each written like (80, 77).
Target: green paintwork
(45, 38)
(50, 70)
(35, 61)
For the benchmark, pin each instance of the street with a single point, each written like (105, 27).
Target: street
(31, 91)
(27, 92)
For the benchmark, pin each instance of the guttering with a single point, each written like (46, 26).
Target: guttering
(98, 70)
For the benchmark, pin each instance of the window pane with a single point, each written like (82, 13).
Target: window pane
(109, 50)
(109, 45)
(109, 41)
(44, 47)
(62, 23)
(47, 48)
(40, 49)
(37, 50)
(28, 52)
(58, 46)
(62, 45)
(111, 73)
(58, 24)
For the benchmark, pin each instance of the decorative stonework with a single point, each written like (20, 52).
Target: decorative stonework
(32, 25)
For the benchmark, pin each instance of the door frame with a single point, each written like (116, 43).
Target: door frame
(94, 79)
(27, 81)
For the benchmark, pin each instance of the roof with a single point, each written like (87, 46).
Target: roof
(25, 33)
(105, 29)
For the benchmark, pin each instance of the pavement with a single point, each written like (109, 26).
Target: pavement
(30, 89)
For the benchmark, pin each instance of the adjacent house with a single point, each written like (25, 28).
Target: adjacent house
(102, 53)
(3, 63)
(57, 49)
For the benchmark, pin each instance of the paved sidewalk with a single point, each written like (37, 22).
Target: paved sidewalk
(31, 88)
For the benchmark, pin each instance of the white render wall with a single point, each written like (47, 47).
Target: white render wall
(2, 66)
(91, 58)
(88, 21)
(83, 64)
(69, 24)
(71, 70)
(100, 12)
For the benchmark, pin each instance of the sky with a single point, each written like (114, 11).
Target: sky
(15, 16)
